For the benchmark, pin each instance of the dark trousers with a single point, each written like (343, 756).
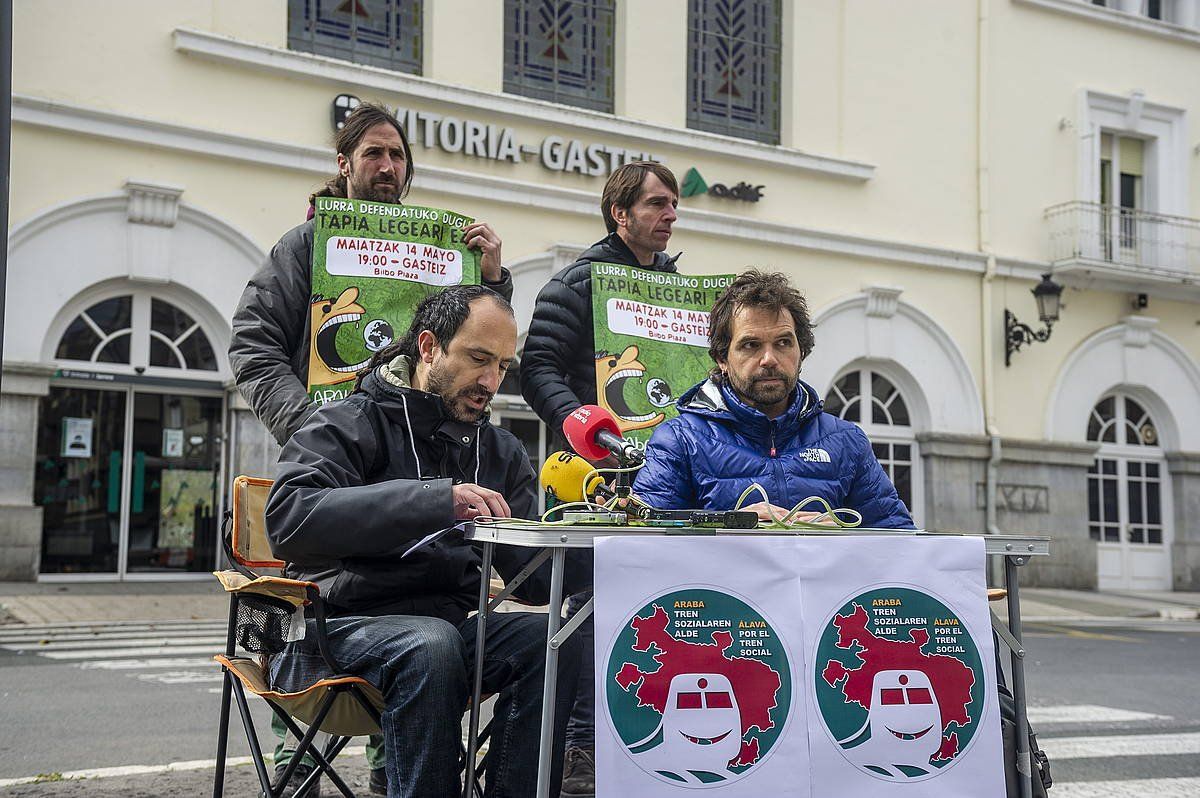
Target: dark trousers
(581, 729)
(422, 667)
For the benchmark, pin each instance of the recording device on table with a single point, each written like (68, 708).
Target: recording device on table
(593, 433)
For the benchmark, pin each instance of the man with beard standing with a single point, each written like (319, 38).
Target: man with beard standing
(754, 420)
(268, 352)
(269, 348)
(409, 453)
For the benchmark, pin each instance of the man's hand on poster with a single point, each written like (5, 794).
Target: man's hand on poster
(472, 501)
(482, 237)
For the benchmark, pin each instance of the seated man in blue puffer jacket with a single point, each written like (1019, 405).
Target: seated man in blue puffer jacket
(754, 420)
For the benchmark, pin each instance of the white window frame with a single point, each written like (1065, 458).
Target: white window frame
(890, 433)
(1165, 158)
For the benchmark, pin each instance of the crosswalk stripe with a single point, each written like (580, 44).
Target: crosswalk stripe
(86, 645)
(1088, 713)
(1188, 787)
(138, 664)
(148, 651)
(79, 626)
(181, 677)
(38, 638)
(1120, 745)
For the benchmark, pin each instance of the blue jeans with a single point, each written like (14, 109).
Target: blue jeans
(422, 665)
(581, 729)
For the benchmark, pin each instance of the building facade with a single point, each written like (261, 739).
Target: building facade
(914, 167)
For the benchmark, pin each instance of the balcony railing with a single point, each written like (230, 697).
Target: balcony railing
(1089, 231)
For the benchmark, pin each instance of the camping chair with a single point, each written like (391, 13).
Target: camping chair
(261, 608)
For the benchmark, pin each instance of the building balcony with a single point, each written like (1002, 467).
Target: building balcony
(1126, 249)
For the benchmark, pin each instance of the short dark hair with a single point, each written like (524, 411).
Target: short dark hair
(756, 289)
(442, 313)
(364, 117)
(624, 186)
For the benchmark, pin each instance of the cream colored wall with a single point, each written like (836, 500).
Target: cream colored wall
(1024, 390)
(1042, 62)
(891, 84)
(461, 45)
(651, 61)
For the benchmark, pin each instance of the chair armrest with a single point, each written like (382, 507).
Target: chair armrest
(292, 591)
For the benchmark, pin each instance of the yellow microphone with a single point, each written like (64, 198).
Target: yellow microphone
(563, 475)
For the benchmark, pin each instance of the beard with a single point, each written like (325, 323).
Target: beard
(457, 403)
(762, 394)
(373, 189)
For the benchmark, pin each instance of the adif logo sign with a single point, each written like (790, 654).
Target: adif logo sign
(815, 456)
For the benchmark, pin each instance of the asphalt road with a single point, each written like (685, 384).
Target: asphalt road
(1116, 707)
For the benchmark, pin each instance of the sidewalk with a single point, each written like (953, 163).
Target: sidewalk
(114, 602)
(111, 602)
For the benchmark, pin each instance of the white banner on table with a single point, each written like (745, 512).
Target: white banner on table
(699, 667)
(901, 676)
(849, 666)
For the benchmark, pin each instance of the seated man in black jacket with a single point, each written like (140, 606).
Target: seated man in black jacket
(409, 453)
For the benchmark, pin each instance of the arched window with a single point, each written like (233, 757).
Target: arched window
(872, 401)
(113, 330)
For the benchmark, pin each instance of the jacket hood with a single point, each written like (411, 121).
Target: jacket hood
(613, 249)
(717, 401)
(390, 385)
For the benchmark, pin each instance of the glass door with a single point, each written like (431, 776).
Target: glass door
(128, 481)
(77, 482)
(174, 483)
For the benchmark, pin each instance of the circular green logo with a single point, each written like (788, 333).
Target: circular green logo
(698, 687)
(899, 683)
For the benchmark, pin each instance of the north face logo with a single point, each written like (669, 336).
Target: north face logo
(815, 456)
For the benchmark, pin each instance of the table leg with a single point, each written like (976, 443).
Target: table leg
(485, 573)
(551, 678)
(1024, 764)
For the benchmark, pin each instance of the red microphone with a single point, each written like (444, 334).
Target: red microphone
(593, 433)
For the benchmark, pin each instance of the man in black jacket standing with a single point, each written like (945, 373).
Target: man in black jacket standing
(558, 366)
(558, 373)
(269, 348)
(410, 453)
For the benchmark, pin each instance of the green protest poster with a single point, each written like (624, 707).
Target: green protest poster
(372, 263)
(651, 338)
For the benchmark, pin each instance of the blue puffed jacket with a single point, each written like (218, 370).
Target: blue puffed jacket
(718, 446)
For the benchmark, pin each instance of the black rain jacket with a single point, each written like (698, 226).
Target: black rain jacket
(558, 365)
(367, 477)
(268, 351)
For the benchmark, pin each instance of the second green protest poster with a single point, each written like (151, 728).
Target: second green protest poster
(372, 263)
(651, 341)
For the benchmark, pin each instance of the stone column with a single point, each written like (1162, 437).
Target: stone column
(1184, 468)
(20, 518)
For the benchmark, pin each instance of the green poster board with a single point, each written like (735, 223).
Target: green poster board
(372, 263)
(651, 335)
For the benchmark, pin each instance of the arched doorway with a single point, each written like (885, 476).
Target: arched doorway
(1128, 494)
(129, 439)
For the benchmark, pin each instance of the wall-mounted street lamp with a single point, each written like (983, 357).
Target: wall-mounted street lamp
(1016, 334)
